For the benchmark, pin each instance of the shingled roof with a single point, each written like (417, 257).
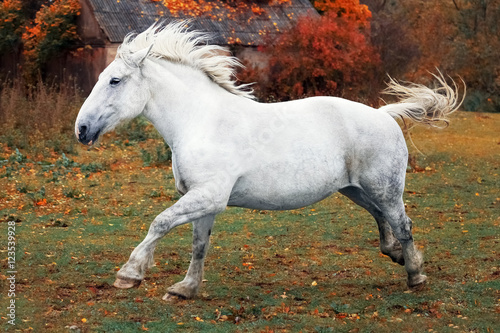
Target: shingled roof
(117, 18)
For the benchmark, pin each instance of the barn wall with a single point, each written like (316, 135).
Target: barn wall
(83, 67)
(85, 64)
(88, 27)
(87, 67)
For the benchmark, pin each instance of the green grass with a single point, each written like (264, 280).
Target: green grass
(316, 269)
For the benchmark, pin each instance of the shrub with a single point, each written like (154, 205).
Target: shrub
(11, 21)
(330, 55)
(53, 30)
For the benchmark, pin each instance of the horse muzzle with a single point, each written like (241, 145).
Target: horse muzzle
(86, 134)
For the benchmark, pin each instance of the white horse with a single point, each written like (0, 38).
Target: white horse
(229, 150)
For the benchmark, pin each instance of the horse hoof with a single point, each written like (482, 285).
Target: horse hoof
(122, 283)
(183, 290)
(171, 298)
(417, 283)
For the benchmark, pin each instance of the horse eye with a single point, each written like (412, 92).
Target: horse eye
(114, 81)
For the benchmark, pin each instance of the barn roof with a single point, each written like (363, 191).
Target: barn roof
(117, 18)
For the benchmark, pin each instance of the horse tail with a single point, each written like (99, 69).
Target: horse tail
(422, 105)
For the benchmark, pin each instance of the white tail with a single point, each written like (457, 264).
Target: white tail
(423, 105)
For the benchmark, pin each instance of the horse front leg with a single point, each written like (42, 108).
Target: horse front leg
(198, 204)
(189, 287)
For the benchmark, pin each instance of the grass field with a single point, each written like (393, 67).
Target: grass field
(318, 269)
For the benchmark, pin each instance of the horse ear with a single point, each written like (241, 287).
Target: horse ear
(141, 55)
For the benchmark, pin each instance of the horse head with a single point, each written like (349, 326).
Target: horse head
(119, 95)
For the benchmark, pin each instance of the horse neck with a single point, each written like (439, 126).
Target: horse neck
(182, 98)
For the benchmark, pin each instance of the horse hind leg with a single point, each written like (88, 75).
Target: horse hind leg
(389, 245)
(401, 225)
(388, 209)
(188, 288)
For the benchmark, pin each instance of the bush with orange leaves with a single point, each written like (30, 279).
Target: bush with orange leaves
(53, 30)
(11, 21)
(330, 55)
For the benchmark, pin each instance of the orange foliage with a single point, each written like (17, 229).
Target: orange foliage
(257, 10)
(10, 23)
(188, 7)
(54, 28)
(324, 56)
(349, 9)
(216, 9)
(10, 7)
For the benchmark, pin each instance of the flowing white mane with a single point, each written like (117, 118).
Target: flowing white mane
(175, 43)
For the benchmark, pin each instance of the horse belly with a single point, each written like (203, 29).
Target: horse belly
(266, 202)
(278, 187)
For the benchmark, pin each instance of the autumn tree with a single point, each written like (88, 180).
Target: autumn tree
(31, 7)
(11, 21)
(477, 52)
(328, 55)
(390, 35)
(349, 9)
(460, 37)
(53, 29)
(41, 28)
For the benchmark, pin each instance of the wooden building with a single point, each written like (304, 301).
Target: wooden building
(103, 24)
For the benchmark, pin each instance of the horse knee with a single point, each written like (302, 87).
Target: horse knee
(161, 225)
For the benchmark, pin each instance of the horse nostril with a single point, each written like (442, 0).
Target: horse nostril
(83, 131)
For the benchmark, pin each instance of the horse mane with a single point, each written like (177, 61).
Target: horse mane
(174, 42)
